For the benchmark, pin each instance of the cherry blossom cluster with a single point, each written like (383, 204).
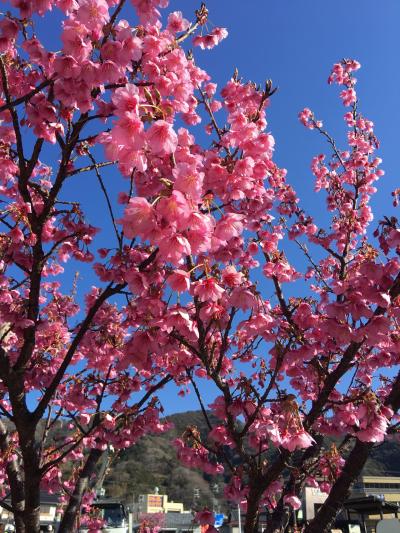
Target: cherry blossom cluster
(87, 357)
(194, 286)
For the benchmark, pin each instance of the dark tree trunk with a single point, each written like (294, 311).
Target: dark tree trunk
(259, 483)
(18, 504)
(17, 495)
(279, 519)
(19, 524)
(327, 513)
(251, 520)
(31, 515)
(25, 489)
(15, 481)
(68, 521)
(31, 453)
(32, 520)
(352, 469)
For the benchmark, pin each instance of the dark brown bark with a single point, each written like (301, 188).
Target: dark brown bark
(280, 516)
(31, 455)
(279, 519)
(258, 484)
(31, 515)
(19, 524)
(68, 521)
(15, 481)
(353, 467)
(253, 501)
(24, 487)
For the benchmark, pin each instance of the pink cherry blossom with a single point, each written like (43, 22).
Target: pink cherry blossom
(179, 280)
(174, 248)
(176, 22)
(293, 500)
(231, 225)
(296, 441)
(161, 138)
(188, 250)
(207, 289)
(139, 217)
(205, 517)
(231, 276)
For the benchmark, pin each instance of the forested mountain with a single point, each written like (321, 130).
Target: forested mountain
(152, 462)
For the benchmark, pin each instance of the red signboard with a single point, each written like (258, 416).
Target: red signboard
(155, 501)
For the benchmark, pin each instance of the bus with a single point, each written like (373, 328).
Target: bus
(114, 515)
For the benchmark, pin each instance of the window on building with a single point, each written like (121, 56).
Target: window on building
(379, 486)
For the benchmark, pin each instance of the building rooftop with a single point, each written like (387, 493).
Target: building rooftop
(370, 505)
(179, 520)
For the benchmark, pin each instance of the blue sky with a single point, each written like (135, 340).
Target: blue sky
(295, 43)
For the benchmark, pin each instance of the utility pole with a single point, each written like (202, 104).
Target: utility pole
(215, 503)
(105, 463)
(196, 496)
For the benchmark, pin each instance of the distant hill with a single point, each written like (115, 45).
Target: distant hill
(152, 462)
(385, 459)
